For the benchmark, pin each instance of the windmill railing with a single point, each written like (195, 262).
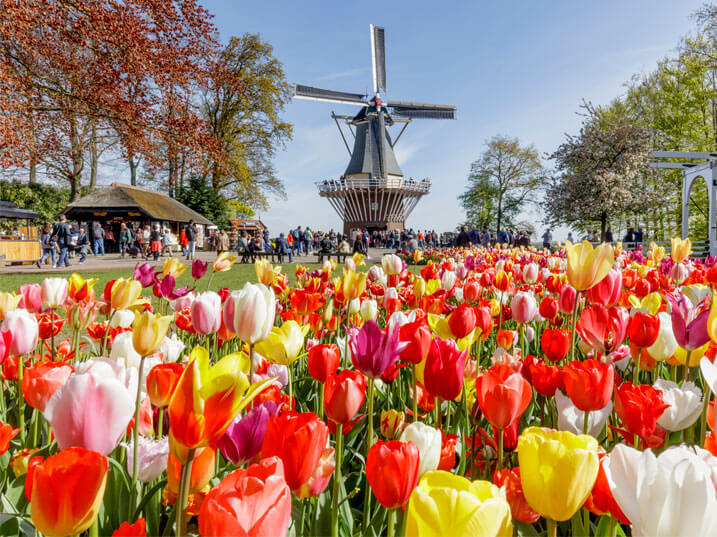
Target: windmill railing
(417, 186)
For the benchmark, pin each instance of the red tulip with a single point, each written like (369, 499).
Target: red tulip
(392, 471)
(548, 308)
(643, 329)
(502, 280)
(601, 500)
(138, 529)
(448, 451)
(462, 321)
(418, 338)
(555, 344)
(343, 395)
(607, 291)
(444, 370)
(7, 433)
(566, 299)
(589, 384)
(484, 322)
(601, 328)
(250, 502)
(298, 440)
(42, 380)
(49, 324)
(639, 407)
(503, 395)
(545, 378)
(519, 507)
(323, 361)
(162, 379)
(471, 291)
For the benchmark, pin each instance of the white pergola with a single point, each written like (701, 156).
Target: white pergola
(691, 172)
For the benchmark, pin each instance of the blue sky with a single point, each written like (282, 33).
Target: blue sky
(514, 68)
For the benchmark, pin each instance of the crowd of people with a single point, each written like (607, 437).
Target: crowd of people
(486, 238)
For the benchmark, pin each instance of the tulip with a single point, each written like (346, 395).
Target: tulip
(548, 308)
(8, 302)
(124, 293)
(265, 272)
(354, 284)
(503, 395)
(41, 381)
(643, 329)
(680, 249)
(162, 380)
(555, 344)
(323, 361)
(391, 264)
(374, 350)
(665, 345)
(284, 343)
(447, 504)
(171, 348)
(519, 508)
(607, 291)
(685, 404)
(319, 480)
(49, 324)
(639, 406)
(601, 328)
(203, 466)
(444, 368)
(247, 502)
(24, 329)
(343, 395)
(557, 470)
(544, 377)
(31, 297)
(369, 310)
(206, 311)
(173, 267)
(531, 273)
(392, 422)
(566, 299)
(665, 495)
(572, 419)
(144, 274)
(601, 500)
(589, 384)
(123, 349)
(148, 332)
(448, 280)
(207, 399)
(417, 337)
(523, 307)
(688, 323)
(67, 490)
(5, 344)
(153, 456)
(587, 266)
(138, 529)
(392, 471)
(223, 262)
(299, 441)
(54, 292)
(428, 441)
(243, 439)
(462, 321)
(249, 313)
(7, 433)
(304, 302)
(199, 268)
(93, 407)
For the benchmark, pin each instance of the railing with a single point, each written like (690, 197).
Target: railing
(699, 248)
(422, 186)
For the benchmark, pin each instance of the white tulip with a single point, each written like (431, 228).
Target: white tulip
(376, 273)
(122, 348)
(685, 404)
(250, 313)
(448, 280)
(572, 419)
(369, 310)
(53, 292)
(709, 373)
(531, 271)
(665, 345)
(672, 494)
(122, 319)
(153, 456)
(399, 318)
(171, 348)
(428, 441)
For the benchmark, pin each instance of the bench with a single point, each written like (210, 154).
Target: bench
(340, 256)
(250, 257)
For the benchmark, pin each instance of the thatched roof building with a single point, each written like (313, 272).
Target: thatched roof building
(131, 203)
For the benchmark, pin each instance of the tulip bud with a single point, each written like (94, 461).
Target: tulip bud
(448, 280)
(428, 441)
(148, 332)
(419, 287)
(566, 299)
(392, 422)
(124, 292)
(369, 310)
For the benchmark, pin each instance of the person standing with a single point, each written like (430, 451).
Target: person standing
(167, 242)
(61, 233)
(125, 238)
(155, 241)
(283, 248)
(83, 244)
(547, 238)
(191, 233)
(222, 242)
(48, 246)
(99, 239)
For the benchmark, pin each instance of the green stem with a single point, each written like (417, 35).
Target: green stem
(552, 528)
(291, 387)
(369, 443)
(439, 416)
(35, 425)
(391, 522)
(337, 481)
(95, 527)
(500, 449)
(586, 521)
(135, 440)
(211, 276)
(160, 423)
(183, 496)
(636, 371)
(321, 401)
(104, 337)
(415, 392)
(20, 399)
(586, 422)
(252, 365)
(612, 532)
(572, 326)
(52, 335)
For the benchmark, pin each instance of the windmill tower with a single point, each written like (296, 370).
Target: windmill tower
(373, 193)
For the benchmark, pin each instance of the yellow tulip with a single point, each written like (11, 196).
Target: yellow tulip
(557, 470)
(265, 272)
(587, 266)
(224, 262)
(649, 304)
(432, 286)
(446, 504)
(354, 284)
(78, 285)
(656, 253)
(358, 259)
(124, 293)
(8, 302)
(681, 248)
(680, 356)
(284, 343)
(148, 331)
(439, 326)
(174, 267)
(419, 287)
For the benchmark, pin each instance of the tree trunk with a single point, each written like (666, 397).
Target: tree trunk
(133, 165)
(33, 171)
(603, 226)
(93, 157)
(75, 176)
(499, 216)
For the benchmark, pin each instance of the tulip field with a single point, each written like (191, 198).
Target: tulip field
(493, 392)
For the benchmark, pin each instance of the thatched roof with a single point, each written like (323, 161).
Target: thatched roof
(134, 201)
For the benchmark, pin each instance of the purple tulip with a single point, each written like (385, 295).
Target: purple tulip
(144, 274)
(688, 324)
(374, 350)
(167, 290)
(244, 437)
(199, 268)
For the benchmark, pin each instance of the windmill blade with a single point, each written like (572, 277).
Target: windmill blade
(378, 58)
(422, 110)
(318, 94)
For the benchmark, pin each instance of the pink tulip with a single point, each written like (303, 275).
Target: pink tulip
(531, 273)
(524, 307)
(31, 297)
(94, 407)
(566, 299)
(206, 313)
(461, 271)
(182, 302)
(24, 329)
(607, 292)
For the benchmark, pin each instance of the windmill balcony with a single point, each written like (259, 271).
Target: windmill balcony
(331, 187)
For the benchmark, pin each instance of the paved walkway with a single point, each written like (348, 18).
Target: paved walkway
(114, 261)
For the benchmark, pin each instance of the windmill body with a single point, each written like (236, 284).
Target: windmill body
(373, 193)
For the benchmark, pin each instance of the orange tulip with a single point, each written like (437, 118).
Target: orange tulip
(42, 380)
(7, 433)
(162, 380)
(202, 470)
(66, 491)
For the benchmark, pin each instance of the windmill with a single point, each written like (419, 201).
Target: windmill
(372, 193)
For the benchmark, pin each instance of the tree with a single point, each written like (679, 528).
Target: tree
(247, 123)
(602, 172)
(204, 199)
(500, 182)
(69, 67)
